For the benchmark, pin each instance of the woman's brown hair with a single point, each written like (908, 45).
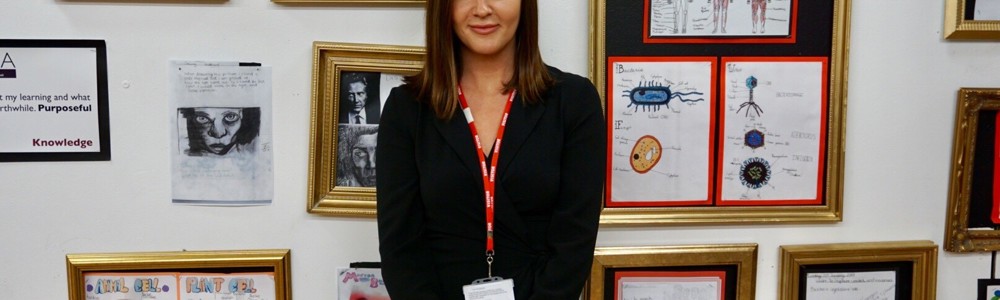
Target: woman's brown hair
(436, 83)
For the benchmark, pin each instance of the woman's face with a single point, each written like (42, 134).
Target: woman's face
(486, 27)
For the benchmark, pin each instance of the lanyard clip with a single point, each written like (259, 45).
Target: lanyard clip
(489, 263)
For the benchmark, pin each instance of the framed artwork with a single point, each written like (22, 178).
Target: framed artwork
(709, 272)
(876, 270)
(722, 112)
(354, 2)
(972, 20)
(989, 289)
(350, 85)
(973, 222)
(244, 274)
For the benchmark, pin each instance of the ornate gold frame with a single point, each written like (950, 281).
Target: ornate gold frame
(956, 27)
(329, 60)
(355, 2)
(831, 211)
(923, 255)
(958, 236)
(279, 260)
(744, 256)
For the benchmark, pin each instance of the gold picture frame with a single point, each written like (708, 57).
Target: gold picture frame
(830, 208)
(958, 26)
(736, 260)
(277, 261)
(973, 221)
(915, 258)
(354, 2)
(331, 191)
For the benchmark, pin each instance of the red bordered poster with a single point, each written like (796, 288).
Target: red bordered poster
(720, 21)
(661, 122)
(773, 130)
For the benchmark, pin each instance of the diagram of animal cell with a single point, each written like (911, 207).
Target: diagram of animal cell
(661, 128)
(774, 156)
(726, 18)
(653, 95)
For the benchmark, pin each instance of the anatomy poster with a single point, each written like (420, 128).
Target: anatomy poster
(130, 286)
(234, 286)
(691, 285)
(718, 19)
(221, 134)
(660, 128)
(773, 113)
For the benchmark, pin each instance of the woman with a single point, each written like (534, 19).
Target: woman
(549, 168)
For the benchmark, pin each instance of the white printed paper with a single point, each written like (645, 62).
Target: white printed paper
(878, 285)
(221, 133)
(48, 100)
(670, 288)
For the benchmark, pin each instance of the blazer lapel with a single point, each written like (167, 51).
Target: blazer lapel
(456, 133)
(520, 123)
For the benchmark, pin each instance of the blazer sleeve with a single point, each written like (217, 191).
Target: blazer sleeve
(573, 229)
(406, 265)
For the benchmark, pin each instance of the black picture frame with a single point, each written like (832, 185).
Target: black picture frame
(984, 288)
(103, 124)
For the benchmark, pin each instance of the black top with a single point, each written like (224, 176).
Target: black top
(550, 177)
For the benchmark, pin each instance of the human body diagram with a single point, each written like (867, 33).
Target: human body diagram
(719, 18)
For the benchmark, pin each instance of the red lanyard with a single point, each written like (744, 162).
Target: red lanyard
(489, 177)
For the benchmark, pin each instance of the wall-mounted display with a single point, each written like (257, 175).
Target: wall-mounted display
(875, 270)
(989, 289)
(190, 275)
(350, 85)
(972, 19)
(717, 272)
(354, 2)
(54, 101)
(722, 112)
(973, 222)
(221, 143)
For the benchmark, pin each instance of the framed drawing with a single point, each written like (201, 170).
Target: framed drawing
(974, 190)
(350, 84)
(989, 289)
(354, 2)
(717, 272)
(247, 274)
(722, 112)
(972, 19)
(877, 270)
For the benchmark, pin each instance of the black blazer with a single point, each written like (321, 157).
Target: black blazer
(431, 214)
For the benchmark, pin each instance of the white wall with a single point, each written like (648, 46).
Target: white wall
(903, 79)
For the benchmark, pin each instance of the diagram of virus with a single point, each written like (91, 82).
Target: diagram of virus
(650, 96)
(755, 172)
(753, 139)
(751, 84)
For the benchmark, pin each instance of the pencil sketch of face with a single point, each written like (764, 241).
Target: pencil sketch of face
(363, 158)
(357, 95)
(217, 127)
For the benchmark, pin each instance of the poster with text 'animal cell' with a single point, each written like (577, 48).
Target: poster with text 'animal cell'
(130, 286)
(660, 127)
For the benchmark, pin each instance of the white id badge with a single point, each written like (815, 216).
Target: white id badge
(492, 288)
